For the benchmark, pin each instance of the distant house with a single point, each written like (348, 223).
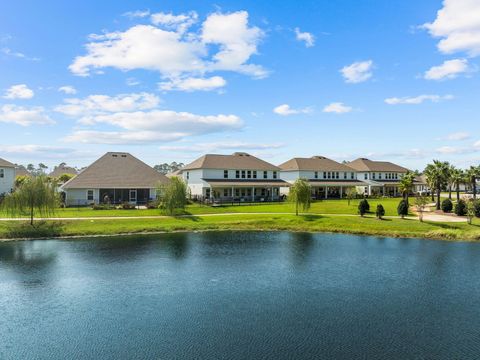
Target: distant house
(380, 177)
(7, 176)
(20, 170)
(237, 177)
(421, 186)
(115, 178)
(327, 178)
(62, 169)
(177, 173)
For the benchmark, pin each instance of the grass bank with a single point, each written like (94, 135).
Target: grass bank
(247, 222)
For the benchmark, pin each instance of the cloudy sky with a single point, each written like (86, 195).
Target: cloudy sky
(394, 80)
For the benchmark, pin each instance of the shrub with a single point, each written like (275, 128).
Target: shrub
(363, 207)
(447, 205)
(126, 206)
(402, 208)
(380, 211)
(476, 207)
(461, 208)
(102, 207)
(41, 229)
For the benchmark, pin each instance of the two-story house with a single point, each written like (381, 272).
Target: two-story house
(7, 176)
(236, 177)
(327, 178)
(380, 177)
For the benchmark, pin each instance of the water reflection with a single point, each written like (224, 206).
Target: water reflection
(26, 255)
(301, 246)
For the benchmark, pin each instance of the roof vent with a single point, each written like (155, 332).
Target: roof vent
(114, 155)
(240, 154)
(123, 155)
(364, 159)
(318, 157)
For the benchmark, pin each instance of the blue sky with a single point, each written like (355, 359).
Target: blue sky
(168, 80)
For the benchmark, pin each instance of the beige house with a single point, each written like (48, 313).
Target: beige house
(239, 177)
(380, 177)
(327, 178)
(114, 178)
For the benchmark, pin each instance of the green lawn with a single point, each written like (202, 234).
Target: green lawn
(310, 223)
(318, 207)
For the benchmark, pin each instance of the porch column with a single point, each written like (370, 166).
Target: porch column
(326, 192)
(394, 191)
(369, 190)
(383, 190)
(271, 193)
(341, 192)
(233, 193)
(253, 193)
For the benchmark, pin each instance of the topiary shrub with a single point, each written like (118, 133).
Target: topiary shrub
(363, 207)
(461, 208)
(380, 211)
(402, 208)
(447, 205)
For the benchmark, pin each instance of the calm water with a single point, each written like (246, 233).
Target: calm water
(239, 296)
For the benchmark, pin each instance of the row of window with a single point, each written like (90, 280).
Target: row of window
(388, 176)
(334, 175)
(248, 174)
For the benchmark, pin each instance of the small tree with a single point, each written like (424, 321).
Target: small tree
(380, 211)
(461, 208)
(447, 205)
(173, 195)
(19, 180)
(470, 211)
(363, 207)
(476, 206)
(35, 194)
(421, 204)
(402, 208)
(300, 195)
(64, 178)
(351, 194)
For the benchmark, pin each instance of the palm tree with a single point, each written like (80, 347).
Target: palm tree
(450, 180)
(472, 175)
(437, 174)
(406, 184)
(457, 177)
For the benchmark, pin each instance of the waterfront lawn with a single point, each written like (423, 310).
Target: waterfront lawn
(244, 222)
(318, 207)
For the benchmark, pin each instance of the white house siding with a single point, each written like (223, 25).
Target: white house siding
(78, 197)
(7, 182)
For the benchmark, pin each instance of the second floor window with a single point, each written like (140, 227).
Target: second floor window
(274, 174)
(316, 174)
(254, 174)
(324, 175)
(337, 175)
(2, 173)
(243, 174)
(373, 176)
(249, 174)
(225, 174)
(352, 176)
(265, 175)
(188, 175)
(344, 175)
(237, 174)
(366, 176)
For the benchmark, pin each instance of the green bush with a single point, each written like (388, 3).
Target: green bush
(447, 205)
(461, 208)
(40, 229)
(363, 207)
(476, 206)
(380, 211)
(402, 208)
(102, 207)
(126, 206)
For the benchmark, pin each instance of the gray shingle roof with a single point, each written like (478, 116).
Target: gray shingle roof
(363, 164)
(5, 163)
(60, 170)
(236, 161)
(117, 170)
(315, 163)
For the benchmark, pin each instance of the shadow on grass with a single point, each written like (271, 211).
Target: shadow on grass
(311, 217)
(40, 229)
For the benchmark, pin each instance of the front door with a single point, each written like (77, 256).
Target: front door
(133, 196)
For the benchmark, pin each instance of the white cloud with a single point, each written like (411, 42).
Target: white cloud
(417, 100)
(172, 51)
(458, 26)
(97, 104)
(458, 136)
(450, 69)
(306, 37)
(193, 84)
(17, 54)
(476, 145)
(67, 89)
(337, 107)
(451, 150)
(132, 81)
(20, 91)
(358, 71)
(32, 149)
(24, 116)
(152, 126)
(285, 110)
(137, 14)
(218, 146)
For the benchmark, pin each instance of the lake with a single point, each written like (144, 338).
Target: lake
(234, 295)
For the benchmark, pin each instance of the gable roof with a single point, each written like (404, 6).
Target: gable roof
(315, 163)
(362, 164)
(236, 161)
(5, 163)
(62, 169)
(116, 170)
(20, 170)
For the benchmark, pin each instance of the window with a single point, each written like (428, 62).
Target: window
(225, 192)
(396, 176)
(249, 174)
(254, 174)
(337, 175)
(324, 175)
(2, 173)
(352, 176)
(89, 195)
(373, 176)
(344, 175)
(316, 174)
(225, 174)
(243, 174)
(237, 174)
(265, 175)
(366, 176)
(274, 174)
(379, 175)
(329, 175)
(188, 175)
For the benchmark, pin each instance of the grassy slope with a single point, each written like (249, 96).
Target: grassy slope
(312, 223)
(318, 207)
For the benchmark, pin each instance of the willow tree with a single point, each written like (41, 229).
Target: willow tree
(173, 195)
(35, 196)
(300, 195)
